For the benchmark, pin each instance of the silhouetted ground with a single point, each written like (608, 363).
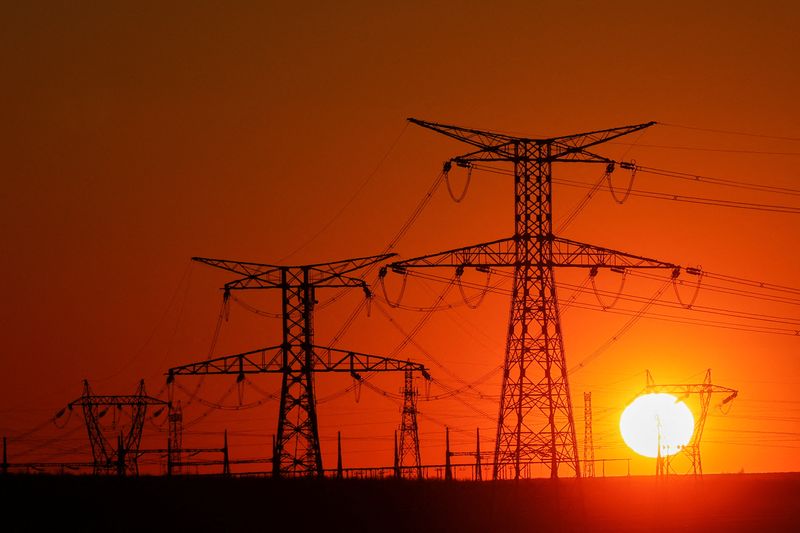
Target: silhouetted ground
(724, 503)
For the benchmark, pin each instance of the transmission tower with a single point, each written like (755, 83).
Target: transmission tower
(409, 458)
(121, 457)
(588, 441)
(535, 422)
(175, 439)
(704, 390)
(297, 358)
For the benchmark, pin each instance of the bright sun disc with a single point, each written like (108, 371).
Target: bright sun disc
(653, 419)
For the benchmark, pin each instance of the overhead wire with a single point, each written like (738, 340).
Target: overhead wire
(662, 195)
(729, 132)
(721, 289)
(658, 316)
(698, 308)
(697, 322)
(621, 331)
(700, 200)
(716, 150)
(725, 182)
(409, 337)
(352, 198)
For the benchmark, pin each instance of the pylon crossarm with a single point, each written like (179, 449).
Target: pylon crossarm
(479, 138)
(274, 280)
(488, 254)
(493, 146)
(335, 360)
(510, 152)
(693, 388)
(270, 360)
(502, 253)
(264, 276)
(323, 272)
(263, 360)
(568, 253)
(581, 141)
(243, 268)
(92, 401)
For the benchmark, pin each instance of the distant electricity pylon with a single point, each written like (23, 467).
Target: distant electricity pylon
(408, 454)
(588, 440)
(123, 455)
(704, 390)
(175, 440)
(297, 358)
(536, 422)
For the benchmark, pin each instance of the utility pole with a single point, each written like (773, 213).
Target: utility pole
(297, 358)
(475, 455)
(535, 421)
(448, 469)
(478, 469)
(409, 434)
(226, 461)
(396, 458)
(122, 457)
(339, 469)
(588, 441)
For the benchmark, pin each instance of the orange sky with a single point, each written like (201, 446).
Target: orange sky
(136, 137)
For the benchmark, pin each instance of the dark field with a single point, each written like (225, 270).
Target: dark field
(725, 503)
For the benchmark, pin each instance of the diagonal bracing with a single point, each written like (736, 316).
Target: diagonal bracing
(535, 421)
(297, 358)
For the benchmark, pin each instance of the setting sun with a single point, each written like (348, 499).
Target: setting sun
(656, 420)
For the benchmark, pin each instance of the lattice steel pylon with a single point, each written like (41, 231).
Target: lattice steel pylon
(588, 439)
(409, 461)
(535, 422)
(175, 439)
(297, 358)
(108, 457)
(706, 389)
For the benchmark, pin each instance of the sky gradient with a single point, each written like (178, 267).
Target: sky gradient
(137, 136)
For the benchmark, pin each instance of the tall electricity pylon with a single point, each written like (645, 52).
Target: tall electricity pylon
(536, 422)
(704, 390)
(297, 358)
(408, 455)
(122, 457)
(588, 440)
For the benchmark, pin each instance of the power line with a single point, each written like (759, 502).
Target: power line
(701, 200)
(729, 132)
(661, 195)
(719, 150)
(726, 182)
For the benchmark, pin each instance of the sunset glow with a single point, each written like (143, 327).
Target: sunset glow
(656, 420)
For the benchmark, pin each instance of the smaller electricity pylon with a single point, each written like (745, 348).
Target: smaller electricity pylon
(175, 440)
(588, 441)
(297, 359)
(107, 456)
(409, 462)
(704, 390)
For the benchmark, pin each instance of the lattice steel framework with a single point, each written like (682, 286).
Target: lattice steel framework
(409, 459)
(704, 390)
(588, 439)
(535, 421)
(175, 439)
(122, 457)
(297, 358)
